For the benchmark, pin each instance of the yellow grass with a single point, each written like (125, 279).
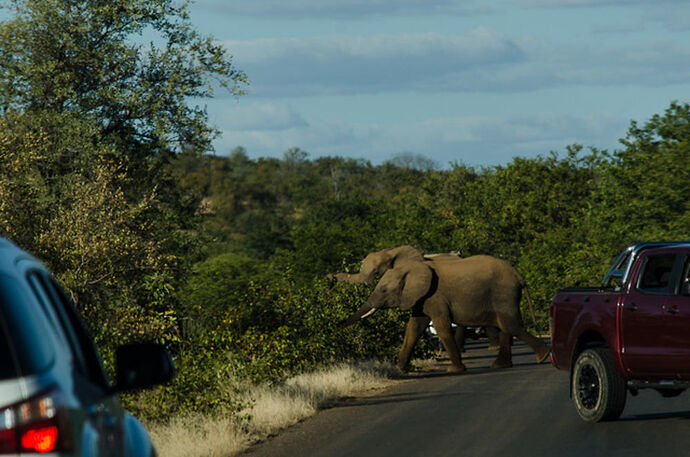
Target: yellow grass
(272, 410)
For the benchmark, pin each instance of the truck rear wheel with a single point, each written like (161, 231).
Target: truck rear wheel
(598, 390)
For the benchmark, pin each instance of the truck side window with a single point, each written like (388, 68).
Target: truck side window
(655, 277)
(685, 278)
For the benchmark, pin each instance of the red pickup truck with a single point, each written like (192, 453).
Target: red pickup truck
(632, 332)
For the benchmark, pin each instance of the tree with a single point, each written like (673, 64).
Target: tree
(413, 161)
(642, 189)
(86, 56)
(90, 117)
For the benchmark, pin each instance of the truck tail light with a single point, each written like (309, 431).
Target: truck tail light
(35, 425)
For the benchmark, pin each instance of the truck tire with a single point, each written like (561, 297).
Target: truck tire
(598, 390)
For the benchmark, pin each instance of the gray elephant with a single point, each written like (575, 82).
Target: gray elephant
(377, 263)
(474, 291)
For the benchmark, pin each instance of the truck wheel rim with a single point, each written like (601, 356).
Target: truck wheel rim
(588, 387)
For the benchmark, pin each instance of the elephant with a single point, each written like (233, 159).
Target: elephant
(475, 291)
(377, 263)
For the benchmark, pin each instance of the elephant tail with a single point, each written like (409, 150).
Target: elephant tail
(529, 302)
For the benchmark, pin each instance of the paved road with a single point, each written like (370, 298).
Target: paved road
(522, 411)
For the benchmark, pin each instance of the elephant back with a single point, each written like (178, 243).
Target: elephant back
(477, 272)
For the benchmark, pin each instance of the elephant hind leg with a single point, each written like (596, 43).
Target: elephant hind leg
(541, 349)
(492, 334)
(505, 356)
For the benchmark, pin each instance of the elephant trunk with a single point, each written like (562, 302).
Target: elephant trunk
(356, 278)
(363, 312)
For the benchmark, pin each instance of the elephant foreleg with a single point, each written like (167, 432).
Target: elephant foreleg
(413, 331)
(445, 333)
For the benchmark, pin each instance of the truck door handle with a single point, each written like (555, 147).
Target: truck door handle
(630, 306)
(671, 309)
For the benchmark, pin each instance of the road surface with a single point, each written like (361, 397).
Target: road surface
(521, 411)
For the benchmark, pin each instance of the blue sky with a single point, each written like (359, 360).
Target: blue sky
(473, 82)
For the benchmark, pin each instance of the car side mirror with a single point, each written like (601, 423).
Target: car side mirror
(141, 366)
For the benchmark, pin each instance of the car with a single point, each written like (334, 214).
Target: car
(55, 397)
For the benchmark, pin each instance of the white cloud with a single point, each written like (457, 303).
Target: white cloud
(345, 9)
(591, 3)
(479, 61)
(260, 117)
(481, 44)
(380, 63)
(474, 140)
(653, 64)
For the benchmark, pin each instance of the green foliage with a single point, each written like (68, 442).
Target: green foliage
(642, 194)
(296, 328)
(82, 56)
(89, 120)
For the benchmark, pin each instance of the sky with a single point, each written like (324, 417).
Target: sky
(457, 81)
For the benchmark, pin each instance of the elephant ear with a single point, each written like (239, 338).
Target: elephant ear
(417, 282)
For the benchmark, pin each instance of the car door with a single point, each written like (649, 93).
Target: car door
(102, 429)
(676, 310)
(646, 338)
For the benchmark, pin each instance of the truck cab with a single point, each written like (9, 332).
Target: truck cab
(629, 333)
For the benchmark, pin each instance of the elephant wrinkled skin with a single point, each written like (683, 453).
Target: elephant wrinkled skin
(474, 291)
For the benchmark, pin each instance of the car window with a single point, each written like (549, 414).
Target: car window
(8, 367)
(92, 360)
(24, 332)
(48, 309)
(86, 359)
(655, 276)
(684, 285)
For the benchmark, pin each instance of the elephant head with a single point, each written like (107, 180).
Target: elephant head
(377, 263)
(402, 287)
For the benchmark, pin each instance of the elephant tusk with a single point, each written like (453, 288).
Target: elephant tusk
(369, 313)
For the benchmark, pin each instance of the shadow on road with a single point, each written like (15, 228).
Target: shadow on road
(656, 416)
(396, 398)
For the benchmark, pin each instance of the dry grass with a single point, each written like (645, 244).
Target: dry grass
(272, 410)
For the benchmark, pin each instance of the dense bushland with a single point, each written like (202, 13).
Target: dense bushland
(107, 176)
